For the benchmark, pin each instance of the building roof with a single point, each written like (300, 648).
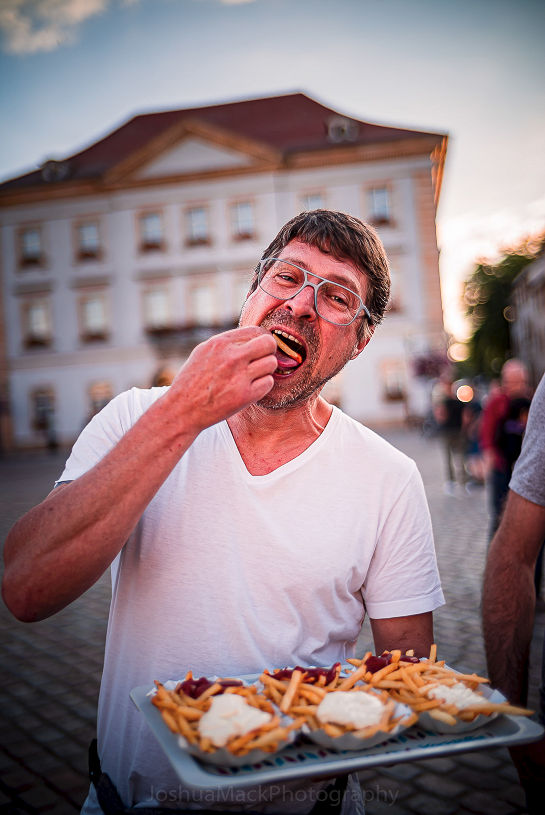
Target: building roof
(286, 124)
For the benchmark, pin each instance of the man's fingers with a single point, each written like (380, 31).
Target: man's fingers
(261, 346)
(262, 366)
(245, 334)
(260, 387)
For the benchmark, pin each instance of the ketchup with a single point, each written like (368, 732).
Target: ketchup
(310, 675)
(195, 687)
(374, 664)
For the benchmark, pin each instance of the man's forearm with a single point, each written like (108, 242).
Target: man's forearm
(509, 598)
(62, 546)
(509, 595)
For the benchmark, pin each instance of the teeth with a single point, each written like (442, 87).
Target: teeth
(287, 336)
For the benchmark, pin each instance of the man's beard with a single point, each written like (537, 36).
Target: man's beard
(307, 383)
(301, 391)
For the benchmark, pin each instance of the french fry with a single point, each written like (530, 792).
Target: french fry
(354, 677)
(291, 690)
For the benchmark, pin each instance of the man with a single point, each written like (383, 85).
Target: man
(248, 523)
(509, 596)
(449, 414)
(514, 384)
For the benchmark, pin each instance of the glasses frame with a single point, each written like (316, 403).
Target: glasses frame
(315, 286)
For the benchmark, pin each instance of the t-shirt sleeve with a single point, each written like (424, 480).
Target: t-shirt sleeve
(403, 577)
(98, 437)
(528, 479)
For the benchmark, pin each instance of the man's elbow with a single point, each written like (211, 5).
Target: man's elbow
(19, 595)
(17, 601)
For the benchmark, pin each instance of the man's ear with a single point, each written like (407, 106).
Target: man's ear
(360, 345)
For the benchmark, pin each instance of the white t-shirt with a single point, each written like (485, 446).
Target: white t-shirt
(230, 573)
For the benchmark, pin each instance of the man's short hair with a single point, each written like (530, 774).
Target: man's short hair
(346, 238)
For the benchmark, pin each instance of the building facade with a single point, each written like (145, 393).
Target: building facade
(119, 259)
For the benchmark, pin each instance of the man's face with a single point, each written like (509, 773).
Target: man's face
(324, 348)
(514, 379)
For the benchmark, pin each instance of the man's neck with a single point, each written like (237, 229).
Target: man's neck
(266, 439)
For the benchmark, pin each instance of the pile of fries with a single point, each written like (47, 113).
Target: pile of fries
(410, 683)
(181, 713)
(297, 693)
(300, 694)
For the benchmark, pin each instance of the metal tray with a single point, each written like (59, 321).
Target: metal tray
(304, 759)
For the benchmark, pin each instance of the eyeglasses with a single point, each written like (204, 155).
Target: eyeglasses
(334, 303)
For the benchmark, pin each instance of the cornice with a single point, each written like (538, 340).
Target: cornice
(120, 179)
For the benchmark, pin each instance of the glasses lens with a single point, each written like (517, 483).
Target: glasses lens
(337, 304)
(281, 280)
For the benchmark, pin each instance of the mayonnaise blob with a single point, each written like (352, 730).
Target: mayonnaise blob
(230, 716)
(458, 695)
(354, 709)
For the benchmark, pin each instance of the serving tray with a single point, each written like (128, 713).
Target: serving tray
(304, 759)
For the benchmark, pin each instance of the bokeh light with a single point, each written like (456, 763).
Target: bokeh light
(464, 393)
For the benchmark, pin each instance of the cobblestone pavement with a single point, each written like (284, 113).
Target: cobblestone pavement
(51, 670)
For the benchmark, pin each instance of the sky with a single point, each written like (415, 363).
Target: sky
(73, 70)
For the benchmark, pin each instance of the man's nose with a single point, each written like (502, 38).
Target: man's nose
(303, 304)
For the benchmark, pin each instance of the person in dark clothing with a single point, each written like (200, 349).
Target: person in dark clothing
(449, 415)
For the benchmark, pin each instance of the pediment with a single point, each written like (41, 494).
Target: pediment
(194, 155)
(192, 147)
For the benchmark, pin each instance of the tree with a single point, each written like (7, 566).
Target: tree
(487, 294)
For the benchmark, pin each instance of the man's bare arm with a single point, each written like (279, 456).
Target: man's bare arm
(413, 631)
(61, 547)
(508, 604)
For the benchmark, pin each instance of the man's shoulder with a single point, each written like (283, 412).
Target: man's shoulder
(371, 446)
(136, 400)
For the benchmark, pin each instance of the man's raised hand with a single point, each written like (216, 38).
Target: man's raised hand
(225, 374)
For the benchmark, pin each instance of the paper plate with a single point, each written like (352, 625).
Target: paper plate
(432, 725)
(350, 741)
(222, 757)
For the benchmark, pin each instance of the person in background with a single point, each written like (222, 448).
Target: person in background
(509, 599)
(448, 412)
(498, 468)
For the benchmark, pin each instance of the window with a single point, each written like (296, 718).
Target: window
(42, 405)
(242, 220)
(156, 307)
(395, 302)
(93, 317)
(151, 231)
(379, 205)
(241, 287)
(31, 250)
(202, 303)
(313, 200)
(393, 380)
(100, 394)
(88, 240)
(36, 323)
(197, 226)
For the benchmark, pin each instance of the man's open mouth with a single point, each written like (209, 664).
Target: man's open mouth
(290, 353)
